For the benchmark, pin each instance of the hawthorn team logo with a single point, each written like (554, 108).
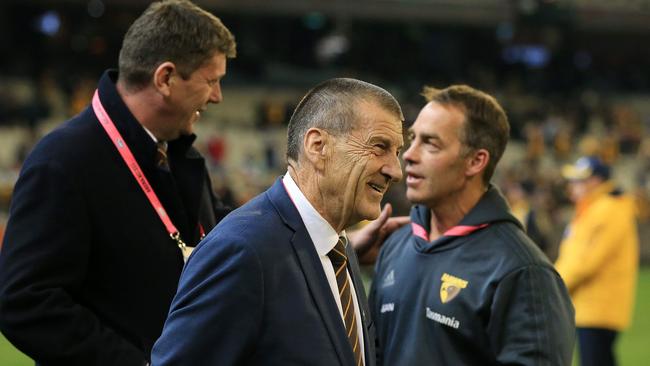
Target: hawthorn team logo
(450, 287)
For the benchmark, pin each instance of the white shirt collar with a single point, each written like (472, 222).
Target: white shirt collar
(321, 232)
(150, 134)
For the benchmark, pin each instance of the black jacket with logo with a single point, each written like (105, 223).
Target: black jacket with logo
(481, 294)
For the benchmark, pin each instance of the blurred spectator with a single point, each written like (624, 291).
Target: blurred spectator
(628, 125)
(534, 137)
(599, 259)
(520, 196)
(52, 96)
(589, 145)
(563, 143)
(81, 95)
(216, 151)
(642, 194)
(643, 180)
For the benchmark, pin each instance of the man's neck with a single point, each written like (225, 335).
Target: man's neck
(451, 212)
(314, 195)
(141, 104)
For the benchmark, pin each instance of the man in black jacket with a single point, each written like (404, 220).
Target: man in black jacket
(464, 285)
(88, 268)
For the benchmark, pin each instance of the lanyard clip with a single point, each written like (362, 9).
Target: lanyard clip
(176, 236)
(185, 250)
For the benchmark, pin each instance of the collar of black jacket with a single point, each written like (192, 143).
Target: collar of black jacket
(490, 209)
(129, 126)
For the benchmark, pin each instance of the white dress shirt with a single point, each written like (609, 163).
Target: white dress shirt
(324, 238)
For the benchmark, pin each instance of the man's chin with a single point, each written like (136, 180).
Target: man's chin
(371, 214)
(189, 131)
(413, 198)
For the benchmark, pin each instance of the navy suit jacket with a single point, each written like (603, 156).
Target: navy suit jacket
(254, 293)
(87, 269)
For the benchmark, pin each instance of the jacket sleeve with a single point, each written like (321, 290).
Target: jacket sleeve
(42, 270)
(532, 319)
(216, 314)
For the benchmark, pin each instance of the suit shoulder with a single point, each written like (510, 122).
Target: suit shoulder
(254, 224)
(68, 143)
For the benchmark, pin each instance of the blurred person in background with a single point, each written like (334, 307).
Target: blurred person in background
(89, 266)
(520, 195)
(464, 284)
(599, 259)
(275, 283)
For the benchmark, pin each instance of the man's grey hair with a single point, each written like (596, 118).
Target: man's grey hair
(332, 106)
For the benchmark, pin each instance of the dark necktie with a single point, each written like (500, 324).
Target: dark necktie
(161, 156)
(339, 262)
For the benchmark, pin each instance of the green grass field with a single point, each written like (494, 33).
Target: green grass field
(633, 345)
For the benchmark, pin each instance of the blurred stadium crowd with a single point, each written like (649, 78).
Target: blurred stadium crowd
(572, 76)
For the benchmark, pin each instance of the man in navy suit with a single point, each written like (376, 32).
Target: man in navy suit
(275, 283)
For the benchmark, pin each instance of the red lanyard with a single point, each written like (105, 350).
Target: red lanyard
(127, 156)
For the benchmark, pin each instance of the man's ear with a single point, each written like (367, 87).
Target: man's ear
(163, 77)
(315, 146)
(476, 162)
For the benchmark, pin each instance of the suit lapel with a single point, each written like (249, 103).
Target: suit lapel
(187, 170)
(313, 271)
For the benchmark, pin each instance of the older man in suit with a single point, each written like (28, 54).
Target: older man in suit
(276, 283)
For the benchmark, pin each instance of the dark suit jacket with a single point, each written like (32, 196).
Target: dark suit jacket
(87, 269)
(254, 293)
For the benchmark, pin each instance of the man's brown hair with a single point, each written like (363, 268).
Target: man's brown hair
(172, 30)
(486, 124)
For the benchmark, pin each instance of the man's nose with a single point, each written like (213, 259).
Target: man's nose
(393, 169)
(216, 96)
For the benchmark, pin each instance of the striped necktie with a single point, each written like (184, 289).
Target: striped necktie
(161, 156)
(339, 262)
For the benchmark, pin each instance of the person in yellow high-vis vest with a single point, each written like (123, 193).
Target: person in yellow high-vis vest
(599, 259)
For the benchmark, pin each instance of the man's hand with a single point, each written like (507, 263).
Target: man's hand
(368, 240)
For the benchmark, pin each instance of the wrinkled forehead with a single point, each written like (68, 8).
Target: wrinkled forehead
(369, 114)
(386, 127)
